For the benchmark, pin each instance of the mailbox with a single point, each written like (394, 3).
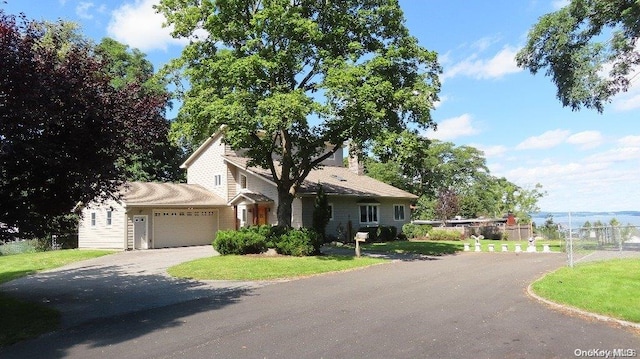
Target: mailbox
(360, 237)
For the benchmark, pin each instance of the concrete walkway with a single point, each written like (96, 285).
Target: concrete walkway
(116, 284)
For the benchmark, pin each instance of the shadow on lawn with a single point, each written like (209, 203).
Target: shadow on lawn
(400, 250)
(103, 306)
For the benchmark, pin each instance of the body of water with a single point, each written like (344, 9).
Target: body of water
(577, 220)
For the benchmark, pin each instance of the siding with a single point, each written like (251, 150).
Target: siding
(210, 163)
(346, 212)
(102, 235)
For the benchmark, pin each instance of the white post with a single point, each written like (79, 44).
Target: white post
(491, 248)
(570, 243)
(518, 248)
(505, 247)
(478, 247)
(545, 248)
(466, 247)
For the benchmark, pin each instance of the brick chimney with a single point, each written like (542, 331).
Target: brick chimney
(355, 165)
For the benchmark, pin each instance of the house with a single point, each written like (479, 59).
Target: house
(223, 192)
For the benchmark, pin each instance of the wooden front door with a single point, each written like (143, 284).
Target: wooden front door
(262, 215)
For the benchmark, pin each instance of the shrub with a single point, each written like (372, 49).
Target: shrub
(384, 234)
(444, 235)
(298, 242)
(243, 241)
(416, 230)
(373, 233)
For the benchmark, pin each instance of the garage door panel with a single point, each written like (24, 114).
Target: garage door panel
(174, 228)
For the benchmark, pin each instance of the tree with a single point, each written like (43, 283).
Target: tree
(62, 127)
(447, 204)
(288, 77)
(321, 213)
(588, 48)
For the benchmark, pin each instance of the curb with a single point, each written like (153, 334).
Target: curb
(581, 312)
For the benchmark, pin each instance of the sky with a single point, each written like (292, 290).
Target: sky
(585, 161)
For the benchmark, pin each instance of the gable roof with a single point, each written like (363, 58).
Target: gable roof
(152, 194)
(334, 180)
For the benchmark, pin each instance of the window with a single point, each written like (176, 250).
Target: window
(244, 215)
(369, 213)
(93, 219)
(330, 211)
(217, 179)
(109, 216)
(243, 181)
(398, 212)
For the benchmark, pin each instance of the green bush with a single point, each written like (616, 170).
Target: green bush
(384, 234)
(418, 231)
(250, 240)
(297, 242)
(444, 235)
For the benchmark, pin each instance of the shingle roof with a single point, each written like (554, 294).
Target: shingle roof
(334, 180)
(152, 194)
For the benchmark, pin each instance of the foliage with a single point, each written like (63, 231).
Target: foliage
(416, 231)
(588, 48)
(266, 68)
(321, 213)
(447, 204)
(298, 242)
(242, 241)
(445, 235)
(550, 229)
(63, 127)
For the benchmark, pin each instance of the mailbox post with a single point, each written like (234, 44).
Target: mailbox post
(360, 237)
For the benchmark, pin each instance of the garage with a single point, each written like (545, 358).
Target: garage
(184, 227)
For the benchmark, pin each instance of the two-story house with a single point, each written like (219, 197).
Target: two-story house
(222, 192)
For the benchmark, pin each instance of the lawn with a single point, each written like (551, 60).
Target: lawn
(23, 320)
(266, 268)
(437, 248)
(610, 287)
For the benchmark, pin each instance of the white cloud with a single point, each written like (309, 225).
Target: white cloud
(586, 139)
(82, 10)
(548, 139)
(139, 26)
(492, 151)
(441, 99)
(628, 101)
(559, 4)
(503, 63)
(452, 128)
(621, 154)
(630, 141)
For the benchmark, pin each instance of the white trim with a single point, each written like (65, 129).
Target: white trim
(377, 213)
(404, 214)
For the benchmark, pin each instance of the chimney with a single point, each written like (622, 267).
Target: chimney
(355, 165)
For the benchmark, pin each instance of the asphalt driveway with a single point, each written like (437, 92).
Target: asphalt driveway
(118, 284)
(471, 305)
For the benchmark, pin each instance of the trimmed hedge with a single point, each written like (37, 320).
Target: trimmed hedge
(419, 231)
(380, 233)
(444, 235)
(256, 239)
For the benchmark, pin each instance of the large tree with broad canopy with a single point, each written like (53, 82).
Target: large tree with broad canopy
(589, 48)
(288, 77)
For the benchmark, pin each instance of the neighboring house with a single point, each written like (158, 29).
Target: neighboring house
(222, 192)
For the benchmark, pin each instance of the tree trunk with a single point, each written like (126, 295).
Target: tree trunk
(285, 202)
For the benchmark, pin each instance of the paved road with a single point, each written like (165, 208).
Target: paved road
(471, 305)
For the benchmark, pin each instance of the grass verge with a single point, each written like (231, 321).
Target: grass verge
(23, 320)
(266, 268)
(438, 248)
(610, 288)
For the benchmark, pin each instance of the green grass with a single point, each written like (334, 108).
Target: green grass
(23, 320)
(19, 265)
(610, 287)
(437, 248)
(266, 268)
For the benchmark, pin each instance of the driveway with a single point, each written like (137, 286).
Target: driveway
(471, 305)
(117, 284)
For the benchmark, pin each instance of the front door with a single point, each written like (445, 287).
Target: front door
(262, 215)
(140, 230)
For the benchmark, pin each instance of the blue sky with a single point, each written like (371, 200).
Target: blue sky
(586, 161)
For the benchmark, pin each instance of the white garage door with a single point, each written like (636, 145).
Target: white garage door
(175, 228)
